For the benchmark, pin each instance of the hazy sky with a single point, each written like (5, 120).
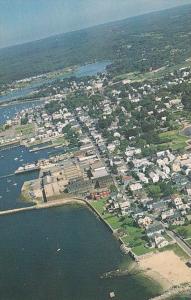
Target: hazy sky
(27, 20)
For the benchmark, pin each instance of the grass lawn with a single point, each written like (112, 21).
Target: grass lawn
(99, 205)
(139, 77)
(141, 250)
(172, 139)
(25, 129)
(189, 242)
(59, 141)
(167, 237)
(113, 221)
(132, 236)
(151, 75)
(184, 231)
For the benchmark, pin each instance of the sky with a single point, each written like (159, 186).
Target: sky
(27, 20)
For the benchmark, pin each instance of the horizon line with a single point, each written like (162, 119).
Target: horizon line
(91, 26)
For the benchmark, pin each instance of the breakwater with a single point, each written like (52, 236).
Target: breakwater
(55, 203)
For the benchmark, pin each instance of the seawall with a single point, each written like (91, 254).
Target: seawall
(123, 246)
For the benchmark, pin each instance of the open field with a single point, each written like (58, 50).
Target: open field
(139, 77)
(172, 139)
(167, 268)
(60, 141)
(25, 129)
(153, 75)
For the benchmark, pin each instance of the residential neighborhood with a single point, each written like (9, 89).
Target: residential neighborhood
(124, 147)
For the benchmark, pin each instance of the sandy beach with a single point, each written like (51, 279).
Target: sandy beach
(167, 268)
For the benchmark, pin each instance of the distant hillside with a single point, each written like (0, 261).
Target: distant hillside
(137, 43)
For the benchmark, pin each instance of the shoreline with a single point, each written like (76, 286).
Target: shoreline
(168, 269)
(146, 265)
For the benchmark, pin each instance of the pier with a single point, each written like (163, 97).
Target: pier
(6, 176)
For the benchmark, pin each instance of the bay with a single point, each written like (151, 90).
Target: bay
(86, 70)
(33, 268)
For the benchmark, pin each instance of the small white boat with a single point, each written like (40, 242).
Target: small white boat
(58, 250)
(112, 295)
(16, 158)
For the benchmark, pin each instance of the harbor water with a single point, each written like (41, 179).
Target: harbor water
(58, 253)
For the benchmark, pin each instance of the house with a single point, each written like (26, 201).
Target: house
(154, 177)
(167, 214)
(124, 206)
(145, 221)
(135, 187)
(127, 179)
(137, 213)
(142, 177)
(160, 241)
(157, 206)
(111, 147)
(176, 219)
(177, 201)
(141, 162)
(188, 189)
(154, 228)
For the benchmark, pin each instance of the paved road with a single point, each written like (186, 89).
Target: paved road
(180, 242)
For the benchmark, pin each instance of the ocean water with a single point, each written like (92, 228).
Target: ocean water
(60, 254)
(32, 267)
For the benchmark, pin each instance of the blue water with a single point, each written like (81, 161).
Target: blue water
(87, 70)
(8, 112)
(91, 69)
(10, 187)
(33, 269)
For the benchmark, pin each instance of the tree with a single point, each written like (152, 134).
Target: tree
(97, 185)
(154, 191)
(113, 188)
(182, 232)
